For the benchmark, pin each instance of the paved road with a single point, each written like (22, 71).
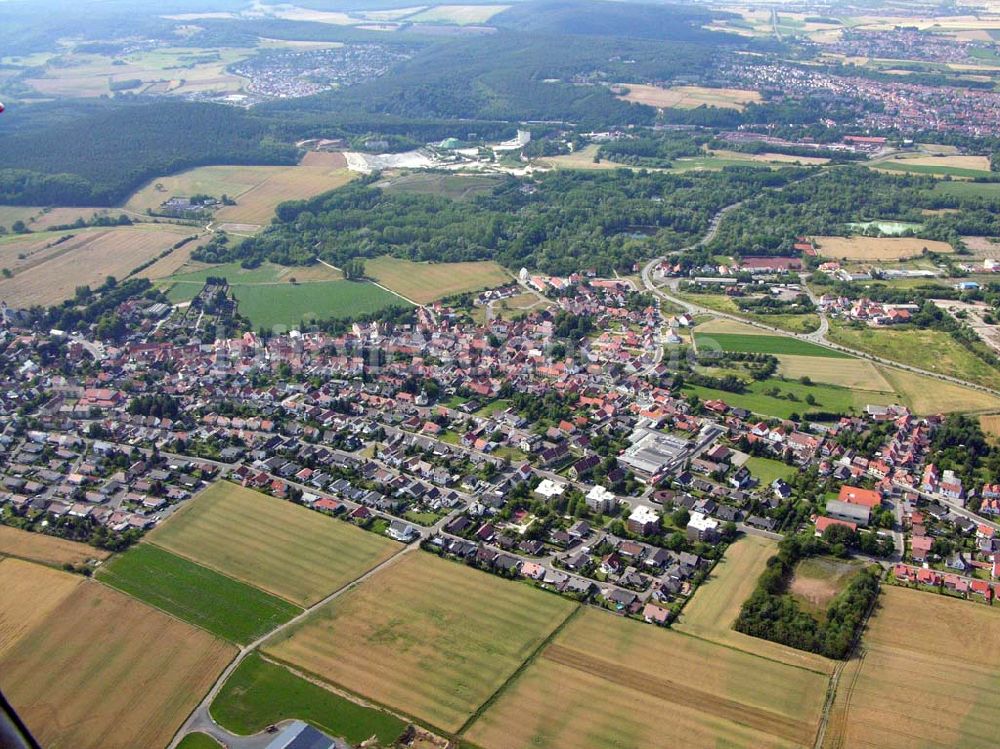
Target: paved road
(201, 720)
(818, 338)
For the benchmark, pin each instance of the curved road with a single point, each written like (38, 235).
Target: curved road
(817, 337)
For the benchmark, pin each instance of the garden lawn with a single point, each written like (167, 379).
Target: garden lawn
(767, 470)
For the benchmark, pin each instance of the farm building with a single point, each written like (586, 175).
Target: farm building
(301, 735)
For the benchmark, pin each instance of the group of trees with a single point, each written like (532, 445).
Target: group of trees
(769, 223)
(99, 158)
(772, 614)
(558, 223)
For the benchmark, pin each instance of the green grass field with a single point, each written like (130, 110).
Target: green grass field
(285, 549)
(932, 350)
(260, 693)
(765, 344)
(988, 190)
(268, 296)
(452, 186)
(951, 171)
(828, 398)
(199, 741)
(291, 304)
(196, 594)
(427, 282)
(428, 637)
(767, 470)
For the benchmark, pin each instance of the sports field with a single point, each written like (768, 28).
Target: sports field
(260, 693)
(285, 549)
(878, 248)
(608, 681)
(431, 638)
(221, 605)
(817, 580)
(688, 97)
(764, 344)
(47, 273)
(289, 305)
(716, 604)
(38, 547)
(946, 654)
(87, 676)
(426, 282)
(932, 350)
(28, 593)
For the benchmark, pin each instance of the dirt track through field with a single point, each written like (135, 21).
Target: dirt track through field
(765, 721)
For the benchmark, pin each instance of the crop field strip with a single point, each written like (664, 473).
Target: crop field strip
(85, 675)
(429, 637)
(680, 693)
(600, 669)
(281, 548)
(88, 258)
(947, 653)
(28, 593)
(208, 599)
(38, 547)
(765, 344)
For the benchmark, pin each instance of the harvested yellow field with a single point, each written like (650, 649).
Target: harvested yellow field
(872, 249)
(428, 637)
(856, 374)
(608, 681)
(716, 604)
(926, 395)
(257, 190)
(28, 592)
(937, 655)
(103, 671)
(582, 159)
(771, 158)
(426, 282)
(45, 549)
(174, 262)
(285, 549)
(50, 275)
(176, 70)
(725, 325)
(983, 247)
(950, 160)
(461, 15)
(293, 13)
(990, 424)
(687, 97)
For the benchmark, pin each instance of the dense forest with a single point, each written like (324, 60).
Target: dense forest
(772, 614)
(558, 223)
(821, 205)
(101, 158)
